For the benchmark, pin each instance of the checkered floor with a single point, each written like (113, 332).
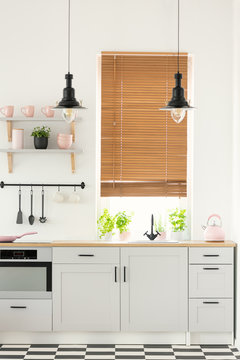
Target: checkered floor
(126, 352)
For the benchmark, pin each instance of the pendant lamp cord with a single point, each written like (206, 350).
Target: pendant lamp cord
(69, 20)
(178, 32)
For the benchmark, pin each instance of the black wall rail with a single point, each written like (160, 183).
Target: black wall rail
(82, 185)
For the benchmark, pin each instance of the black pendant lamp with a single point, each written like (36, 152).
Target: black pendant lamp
(69, 105)
(178, 105)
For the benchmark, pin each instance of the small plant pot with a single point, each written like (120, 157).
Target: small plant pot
(40, 142)
(177, 235)
(124, 236)
(163, 236)
(108, 236)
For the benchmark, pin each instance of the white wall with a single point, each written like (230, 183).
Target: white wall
(32, 68)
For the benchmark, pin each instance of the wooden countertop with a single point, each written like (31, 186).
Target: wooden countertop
(70, 243)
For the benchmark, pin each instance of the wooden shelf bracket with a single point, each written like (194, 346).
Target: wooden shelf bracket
(10, 162)
(9, 130)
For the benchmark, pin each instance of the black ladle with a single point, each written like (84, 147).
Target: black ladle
(42, 219)
(31, 218)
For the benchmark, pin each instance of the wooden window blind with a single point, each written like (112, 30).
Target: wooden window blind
(143, 151)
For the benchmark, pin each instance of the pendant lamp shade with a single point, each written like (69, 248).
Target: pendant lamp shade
(178, 105)
(69, 105)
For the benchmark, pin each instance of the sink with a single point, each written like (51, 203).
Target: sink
(154, 241)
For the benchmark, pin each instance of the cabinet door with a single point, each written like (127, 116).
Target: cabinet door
(86, 297)
(154, 289)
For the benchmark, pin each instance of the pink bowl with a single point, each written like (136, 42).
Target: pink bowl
(64, 143)
(65, 136)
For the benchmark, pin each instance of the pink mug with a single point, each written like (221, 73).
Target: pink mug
(28, 110)
(47, 111)
(7, 110)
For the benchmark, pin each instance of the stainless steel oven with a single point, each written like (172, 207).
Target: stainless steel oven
(26, 273)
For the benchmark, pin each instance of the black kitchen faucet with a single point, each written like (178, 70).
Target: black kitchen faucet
(152, 236)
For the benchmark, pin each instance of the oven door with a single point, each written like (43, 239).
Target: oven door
(26, 280)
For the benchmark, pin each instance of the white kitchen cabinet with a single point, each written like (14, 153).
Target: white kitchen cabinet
(25, 315)
(211, 315)
(86, 297)
(211, 281)
(154, 289)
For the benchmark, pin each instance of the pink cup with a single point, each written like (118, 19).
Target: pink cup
(47, 111)
(7, 110)
(28, 110)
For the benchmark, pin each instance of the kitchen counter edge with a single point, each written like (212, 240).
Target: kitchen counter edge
(119, 244)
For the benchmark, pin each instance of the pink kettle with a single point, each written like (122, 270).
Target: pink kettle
(213, 232)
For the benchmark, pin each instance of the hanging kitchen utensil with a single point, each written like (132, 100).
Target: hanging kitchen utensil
(19, 215)
(31, 218)
(12, 238)
(42, 219)
(213, 232)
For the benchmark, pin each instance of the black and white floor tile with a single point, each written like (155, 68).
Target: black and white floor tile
(112, 352)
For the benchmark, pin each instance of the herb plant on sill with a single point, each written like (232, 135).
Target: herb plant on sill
(177, 220)
(41, 135)
(122, 224)
(106, 224)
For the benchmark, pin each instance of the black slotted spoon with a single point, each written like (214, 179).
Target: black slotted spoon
(31, 218)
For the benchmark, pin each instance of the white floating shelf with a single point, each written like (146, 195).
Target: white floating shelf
(42, 151)
(10, 121)
(33, 119)
(10, 153)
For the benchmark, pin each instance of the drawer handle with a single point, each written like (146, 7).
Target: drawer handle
(85, 255)
(115, 273)
(18, 307)
(210, 302)
(210, 268)
(209, 255)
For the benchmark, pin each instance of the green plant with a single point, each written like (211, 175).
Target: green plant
(106, 223)
(122, 221)
(177, 219)
(159, 224)
(43, 131)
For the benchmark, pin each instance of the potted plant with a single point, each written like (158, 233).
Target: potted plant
(41, 135)
(160, 226)
(106, 224)
(177, 220)
(122, 224)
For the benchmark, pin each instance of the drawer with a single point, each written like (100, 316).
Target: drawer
(211, 281)
(86, 255)
(25, 315)
(211, 315)
(211, 255)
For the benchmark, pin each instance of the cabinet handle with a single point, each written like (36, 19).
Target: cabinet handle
(210, 268)
(210, 302)
(18, 307)
(115, 273)
(85, 255)
(209, 255)
(124, 274)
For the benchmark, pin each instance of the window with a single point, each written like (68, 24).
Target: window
(143, 151)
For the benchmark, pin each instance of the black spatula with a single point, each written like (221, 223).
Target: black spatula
(19, 215)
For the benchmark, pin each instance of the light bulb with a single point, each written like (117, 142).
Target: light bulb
(69, 114)
(178, 114)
